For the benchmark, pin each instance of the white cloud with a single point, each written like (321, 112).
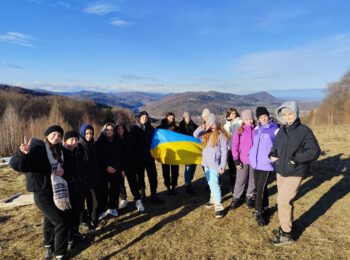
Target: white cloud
(101, 8)
(18, 38)
(119, 22)
(310, 66)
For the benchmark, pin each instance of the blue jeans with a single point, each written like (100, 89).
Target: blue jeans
(212, 176)
(189, 173)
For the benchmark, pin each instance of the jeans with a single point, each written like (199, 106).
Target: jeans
(56, 228)
(212, 177)
(189, 173)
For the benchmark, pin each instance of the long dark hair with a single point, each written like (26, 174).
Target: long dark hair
(55, 149)
(230, 110)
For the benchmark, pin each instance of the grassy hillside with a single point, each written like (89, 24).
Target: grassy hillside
(183, 228)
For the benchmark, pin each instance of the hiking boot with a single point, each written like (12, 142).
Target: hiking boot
(219, 214)
(155, 199)
(236, 203)
(139, 206)
(103, 215)
(259, 218)
(113, 212)
(282, 238)
(250, 202)
(123, 204)
(48, 253)
(276, 231)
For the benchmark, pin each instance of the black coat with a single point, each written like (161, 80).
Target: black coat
(74, 166)
(187, 129)
(295, 143)
(36, 167)
(109, 153)
(93, 172)
(164, 125)
(143, 136)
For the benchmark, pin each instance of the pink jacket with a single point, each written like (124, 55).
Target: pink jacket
(242, 143)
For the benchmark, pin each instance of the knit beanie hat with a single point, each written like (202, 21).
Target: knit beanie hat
(70, 134)
(212, 120)
(247, 114)
(143, 113)
(261, 111)
(54, 128)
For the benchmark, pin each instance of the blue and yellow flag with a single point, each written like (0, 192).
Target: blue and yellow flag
(172, 148)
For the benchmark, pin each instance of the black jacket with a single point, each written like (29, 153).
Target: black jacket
(295, 143)
(143, 135)
(74, 166)
(187, 129)
(109, 153)
(36, 167)
(164, 125)
(91, 163)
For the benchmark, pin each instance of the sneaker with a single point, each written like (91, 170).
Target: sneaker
(48, 253)
(61, 257)
(139, 206)
(155, 199)
(282, 238)
(259, 218)
(250, 202)
(103, 215)
(219, 214)
(235, 203)
(123, 204)
(113, 212)
(276, 231)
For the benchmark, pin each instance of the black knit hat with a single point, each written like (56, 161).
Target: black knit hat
(70, 134)
(261, 111)
(54, 128)
(142, 113)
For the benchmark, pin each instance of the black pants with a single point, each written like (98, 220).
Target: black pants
(110, 189)
(133, 184)
(150, 167)
(77, 191)
(92, 203)
(232, 170)
(56, 228)
(262, 196)
(170, 172)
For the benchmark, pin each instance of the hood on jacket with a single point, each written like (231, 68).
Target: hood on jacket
(292, 105)
(83, 129)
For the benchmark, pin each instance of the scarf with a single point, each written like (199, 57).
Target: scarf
(59, 185)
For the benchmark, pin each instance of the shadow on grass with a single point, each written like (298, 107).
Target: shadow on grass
(324, 170)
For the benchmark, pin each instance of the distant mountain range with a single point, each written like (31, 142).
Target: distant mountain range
(159, 104)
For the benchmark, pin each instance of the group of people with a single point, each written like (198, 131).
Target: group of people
(70, 171)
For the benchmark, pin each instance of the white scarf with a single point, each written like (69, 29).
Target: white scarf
(59, 185)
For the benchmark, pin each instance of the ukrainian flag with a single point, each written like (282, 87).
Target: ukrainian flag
(172, 148)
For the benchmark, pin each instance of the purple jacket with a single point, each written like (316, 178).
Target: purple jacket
(213, 157)
(241, 144)
(263, 138)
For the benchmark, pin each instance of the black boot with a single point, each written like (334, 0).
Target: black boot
(236, 203)
(259, 217)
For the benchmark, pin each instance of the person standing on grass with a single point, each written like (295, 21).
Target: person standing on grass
(143, 133)
(110, 162)
(93, 174)
(130, 156)
(75, 175)
(170, 172)
(263, 138)
(214, 156)
(40, 160)
(295, 147)
(233, 121)
(242, 142)
(187, 127)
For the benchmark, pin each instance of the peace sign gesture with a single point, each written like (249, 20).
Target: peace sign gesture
(24, 148)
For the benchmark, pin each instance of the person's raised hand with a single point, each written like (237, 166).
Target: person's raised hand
(25, 146)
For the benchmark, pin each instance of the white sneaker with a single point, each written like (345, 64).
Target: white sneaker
(139, 206)
(123, 204)
(103, 215)
(113, 212)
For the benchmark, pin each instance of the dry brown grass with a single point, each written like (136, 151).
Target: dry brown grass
(183, 229)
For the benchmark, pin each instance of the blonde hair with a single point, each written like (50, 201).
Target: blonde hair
(215, 139)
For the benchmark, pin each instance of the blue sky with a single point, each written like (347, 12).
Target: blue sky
(174, 45)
